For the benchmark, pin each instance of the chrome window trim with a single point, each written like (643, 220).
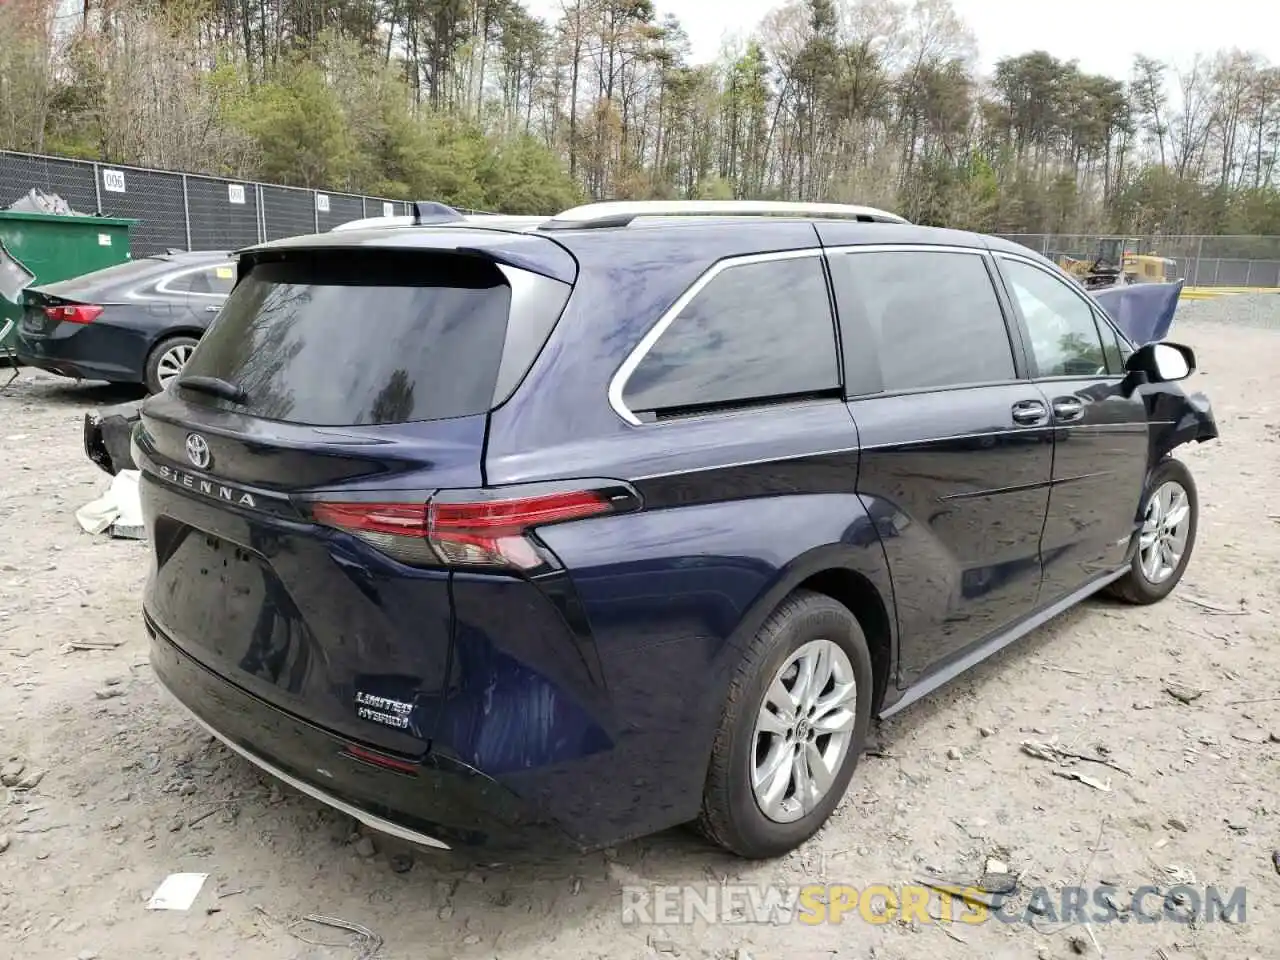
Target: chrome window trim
(908, 248)
(641, 349)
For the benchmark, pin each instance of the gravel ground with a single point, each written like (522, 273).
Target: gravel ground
(1238, 310)
(116, 789)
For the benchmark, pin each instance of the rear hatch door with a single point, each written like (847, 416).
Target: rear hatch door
(345, 376)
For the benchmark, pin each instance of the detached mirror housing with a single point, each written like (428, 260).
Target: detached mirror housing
(1163, 362)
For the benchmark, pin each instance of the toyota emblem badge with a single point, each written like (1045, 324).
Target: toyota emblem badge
(198, 450)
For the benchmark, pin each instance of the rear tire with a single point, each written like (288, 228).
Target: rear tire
(747, 808)
(166, 361)
(1164, 546)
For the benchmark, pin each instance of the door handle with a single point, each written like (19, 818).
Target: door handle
(1029, 412)
(1068, 408)
(211, 309)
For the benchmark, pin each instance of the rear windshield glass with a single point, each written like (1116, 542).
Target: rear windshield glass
(353, 338)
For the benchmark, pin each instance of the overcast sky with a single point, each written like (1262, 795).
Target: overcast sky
(1103, 35)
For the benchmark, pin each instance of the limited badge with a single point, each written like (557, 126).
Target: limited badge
(383, 710)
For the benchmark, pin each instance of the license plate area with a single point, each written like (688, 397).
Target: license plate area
(223, 598)
(33, 322)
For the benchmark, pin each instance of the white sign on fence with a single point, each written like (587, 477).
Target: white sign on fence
(388, 209)
(322, 202)
(235, 192)
(113, 181)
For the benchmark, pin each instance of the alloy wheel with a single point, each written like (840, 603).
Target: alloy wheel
(171, 363)
(1163, 539)
(803, 731)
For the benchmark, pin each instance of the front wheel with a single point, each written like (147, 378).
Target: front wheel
(794, 726)
(1170, 515)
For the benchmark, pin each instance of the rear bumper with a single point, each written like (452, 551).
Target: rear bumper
(368, 819)
(64, 367)
(442, 803)
(96, 351)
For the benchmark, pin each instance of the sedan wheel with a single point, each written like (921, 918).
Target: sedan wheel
(171, 363)
(167, 361)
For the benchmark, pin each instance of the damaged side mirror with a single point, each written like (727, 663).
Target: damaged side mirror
(1162, 362)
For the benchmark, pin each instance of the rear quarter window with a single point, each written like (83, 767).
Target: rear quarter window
(756, 332)
(211, 281)
(352, 337)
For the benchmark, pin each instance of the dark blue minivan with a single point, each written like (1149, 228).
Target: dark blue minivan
(551, 535)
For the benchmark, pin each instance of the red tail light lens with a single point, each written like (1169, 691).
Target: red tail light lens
(397, 529)
(493, 533)
(479, 533)
(74, 313)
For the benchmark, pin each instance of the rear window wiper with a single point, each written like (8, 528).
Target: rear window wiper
(214, 387)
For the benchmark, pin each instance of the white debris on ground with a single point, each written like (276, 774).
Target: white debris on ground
(118, 510)
(111, 787)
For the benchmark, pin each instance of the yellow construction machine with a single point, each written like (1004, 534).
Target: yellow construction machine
(1118, 261)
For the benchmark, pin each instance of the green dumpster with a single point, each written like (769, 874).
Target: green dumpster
(57, 248)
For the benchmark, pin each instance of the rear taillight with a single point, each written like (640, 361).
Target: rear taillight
(74, 313)
(495, 532)
(489, 531)
(397, 529)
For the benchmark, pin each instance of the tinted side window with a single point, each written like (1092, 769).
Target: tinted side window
(199, 282)
(195, 282)
(222, 279)
(1064, 337)
(756, 331)
(918, 320)
(1110, 346)
(1123, 346)
(211, 281)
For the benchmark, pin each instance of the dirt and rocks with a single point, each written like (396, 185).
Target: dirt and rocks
(108, 787)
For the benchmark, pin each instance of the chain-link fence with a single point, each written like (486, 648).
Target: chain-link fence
(193, 212)
(1200, 261)
(185, 211)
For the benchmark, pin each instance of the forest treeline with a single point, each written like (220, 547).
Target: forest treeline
(481, 104)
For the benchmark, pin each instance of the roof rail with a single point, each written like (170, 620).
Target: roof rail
(619, 213)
